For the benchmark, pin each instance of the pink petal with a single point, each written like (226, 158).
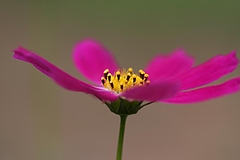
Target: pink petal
(170, 66)
(209, 71)
(207, 93)
(92, 59)
(155, 91)
(59, 76)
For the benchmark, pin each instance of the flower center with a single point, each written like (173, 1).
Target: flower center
(124, 79)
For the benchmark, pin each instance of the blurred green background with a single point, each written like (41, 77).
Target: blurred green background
(41, 121)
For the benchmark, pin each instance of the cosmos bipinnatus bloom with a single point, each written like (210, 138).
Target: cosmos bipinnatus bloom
(171, 78)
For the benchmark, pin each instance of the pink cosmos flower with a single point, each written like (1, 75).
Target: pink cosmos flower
(172, 78)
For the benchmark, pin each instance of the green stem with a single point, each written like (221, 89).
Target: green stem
(123, 119)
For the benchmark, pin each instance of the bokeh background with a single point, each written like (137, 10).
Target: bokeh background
(41, 121)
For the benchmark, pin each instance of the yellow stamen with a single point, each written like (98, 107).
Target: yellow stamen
(146, 77)
(130, 70)
(134, 78)
(109, 76)
(112, 85)
(103, 80)
(105, 73)
(118, 74)
(122, 80)
(141, 73)
(128, 76)
(121, 86)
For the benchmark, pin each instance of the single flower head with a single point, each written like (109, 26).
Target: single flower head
(171, 79)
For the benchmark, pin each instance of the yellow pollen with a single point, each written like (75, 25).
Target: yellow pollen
(122, 80)
(130, 70)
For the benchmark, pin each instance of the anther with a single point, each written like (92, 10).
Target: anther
(141, 74)
(130, 70)
(105, 73)
(111, 84)
(121, 86)
(118, 75)
(103, 80)
(128, 76)
(109, 76)
(146, 77)
(134, 78)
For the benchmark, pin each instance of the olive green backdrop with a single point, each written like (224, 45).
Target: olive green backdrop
(41, 121)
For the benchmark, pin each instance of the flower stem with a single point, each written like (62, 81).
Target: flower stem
(123, 119)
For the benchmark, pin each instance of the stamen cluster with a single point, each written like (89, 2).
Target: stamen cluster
(124, 79)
